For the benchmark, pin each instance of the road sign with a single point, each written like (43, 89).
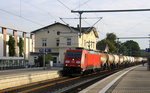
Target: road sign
(147, 50)
(44, 50)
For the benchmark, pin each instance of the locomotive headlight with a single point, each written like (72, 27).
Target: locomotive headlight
(78, 61)
(67, 61)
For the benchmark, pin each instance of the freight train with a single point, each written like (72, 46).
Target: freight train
(82, 61)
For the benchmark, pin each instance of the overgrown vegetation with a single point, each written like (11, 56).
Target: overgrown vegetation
(39, 61)
(11, 44)
(21, 43)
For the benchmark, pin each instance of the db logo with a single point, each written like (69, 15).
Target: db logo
(72, 61)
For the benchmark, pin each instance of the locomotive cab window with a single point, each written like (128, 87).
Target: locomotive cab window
(73, 54)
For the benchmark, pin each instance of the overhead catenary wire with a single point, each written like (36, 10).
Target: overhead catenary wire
(81, 4)
(20, 7)
(70, 10)
(129, 29)
(94, 23)
(64, 4)
(96, 16)
(67, 24)
(43, 10)
(21, 17)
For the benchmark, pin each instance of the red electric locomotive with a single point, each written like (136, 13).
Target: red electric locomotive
(81, 61)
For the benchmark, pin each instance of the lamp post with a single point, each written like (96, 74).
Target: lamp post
(44, 58)
(44, 51)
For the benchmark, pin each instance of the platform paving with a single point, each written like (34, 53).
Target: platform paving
(17, 77)
(131, 80)
(136, 81)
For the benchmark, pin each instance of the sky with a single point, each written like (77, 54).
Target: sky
(29, 15)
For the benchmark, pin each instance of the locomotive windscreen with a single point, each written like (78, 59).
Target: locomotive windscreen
(73, 54)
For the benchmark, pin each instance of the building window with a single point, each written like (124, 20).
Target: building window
(58, 33)
(44, 42)
(57, 42)
(68, 41)
(84, 43)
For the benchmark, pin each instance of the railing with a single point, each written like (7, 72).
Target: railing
(12, 63)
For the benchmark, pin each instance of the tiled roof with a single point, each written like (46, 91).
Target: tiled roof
(83, 29)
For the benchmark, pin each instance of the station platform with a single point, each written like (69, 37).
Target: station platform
(17, 77)
(130, 80)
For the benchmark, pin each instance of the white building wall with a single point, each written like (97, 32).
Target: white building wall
(1, 45)
(27, 53)
(7, 47)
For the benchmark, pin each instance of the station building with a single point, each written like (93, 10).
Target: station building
(58, 37)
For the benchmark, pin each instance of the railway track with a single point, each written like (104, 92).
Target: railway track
(60, 85)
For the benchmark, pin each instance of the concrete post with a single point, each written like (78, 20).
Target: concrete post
(16, 42)
(32, 42)
(4, 32)
(24, 36)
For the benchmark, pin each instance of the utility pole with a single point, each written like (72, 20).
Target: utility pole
(80, 16)
(149, 40)
(148, 68)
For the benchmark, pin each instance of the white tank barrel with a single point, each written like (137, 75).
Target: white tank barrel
(104, 58)
(121, 59)
(140, 59)
(128, 59)
(133, 59)
(116, 59)
(145, 59)
(110, 58)
(136, 59)
(125, 59)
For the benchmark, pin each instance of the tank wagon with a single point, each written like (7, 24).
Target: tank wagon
(80, 61)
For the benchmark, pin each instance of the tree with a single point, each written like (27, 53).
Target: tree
(21, 43)
(112, 47)
(133, 48)
(111, 37)
(48, 58)
(11, 44)
(110, 40)
(122, 49)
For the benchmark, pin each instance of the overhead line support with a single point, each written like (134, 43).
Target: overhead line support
(91, 11)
